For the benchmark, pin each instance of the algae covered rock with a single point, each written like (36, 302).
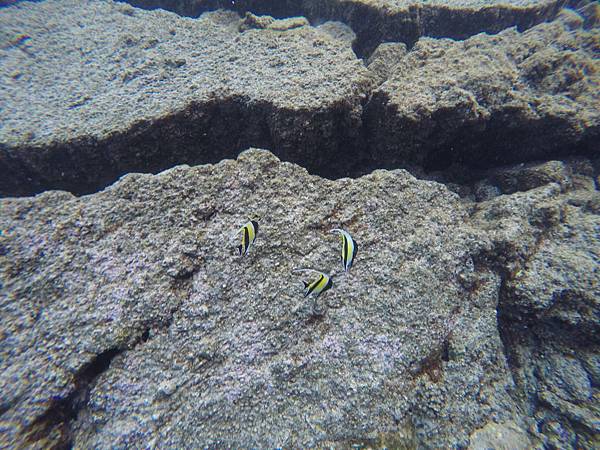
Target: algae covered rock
(490, 100)
(130, 309)
(95, 89)
(505, 436)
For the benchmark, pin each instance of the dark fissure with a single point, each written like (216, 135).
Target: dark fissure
(63, 411)
(225, 129)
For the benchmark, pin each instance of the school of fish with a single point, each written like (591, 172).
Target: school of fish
(321, 281)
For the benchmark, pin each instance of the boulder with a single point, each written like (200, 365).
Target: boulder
(96, 89)
(128, 318)
(490, 100)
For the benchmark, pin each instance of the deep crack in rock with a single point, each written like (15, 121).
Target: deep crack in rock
(52, 429)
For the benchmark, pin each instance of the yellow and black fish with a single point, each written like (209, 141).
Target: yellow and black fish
(349, 248)
(318, 285)
(249, 232)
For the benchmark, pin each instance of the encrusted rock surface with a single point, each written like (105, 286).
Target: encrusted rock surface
(213, 349)
(128, 318)
(471, 321)
(548, 250)
(376, 21)
(504, 436)
(93, 89)
(491, 100)
(384, 59)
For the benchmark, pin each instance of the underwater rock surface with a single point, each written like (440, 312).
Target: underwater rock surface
(471, 316)
(100, 88)
(490, 100)
(376, 21)
(128, 317)
(93, 90)
(549, 311)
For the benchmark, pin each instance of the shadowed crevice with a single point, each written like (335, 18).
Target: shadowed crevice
(201, 134)
(342, 137)
(53, 426)
(333, 144)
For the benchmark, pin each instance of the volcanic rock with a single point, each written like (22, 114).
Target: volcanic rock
(129, 315)
(490, 100)
(95, 89)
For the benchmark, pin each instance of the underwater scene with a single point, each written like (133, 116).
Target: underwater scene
(289, 224)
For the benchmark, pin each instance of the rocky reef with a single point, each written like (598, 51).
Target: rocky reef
(106, 89)
(376, 21)
(430, 337)
(465, 165)
(490, 100)
(86, 106)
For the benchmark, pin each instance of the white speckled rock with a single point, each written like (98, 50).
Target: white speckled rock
(201, 347)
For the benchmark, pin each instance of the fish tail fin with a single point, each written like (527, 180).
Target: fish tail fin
(240, 249)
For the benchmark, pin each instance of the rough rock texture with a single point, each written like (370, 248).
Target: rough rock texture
(505, 436)
(547, 243)
(376, 21)
(90, 90)
(127, 317)
(569, 174)
(93, 90)
(491, 100)
(471, 321)
(200, 347)
(252, 21)
(339, 30)
(384, 59)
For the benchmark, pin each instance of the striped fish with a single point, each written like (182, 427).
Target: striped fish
(249, 232)
(319, 285)
(349, 248)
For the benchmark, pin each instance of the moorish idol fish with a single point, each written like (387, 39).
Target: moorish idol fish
(249, 232)
(317, 286)
(349, 248)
